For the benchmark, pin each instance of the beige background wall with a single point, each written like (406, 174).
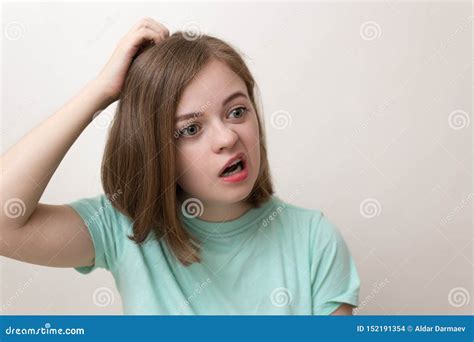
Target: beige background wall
(368, 110)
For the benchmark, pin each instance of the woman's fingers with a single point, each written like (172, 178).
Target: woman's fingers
(145, 31)
(152, 24)
(145, 34)
(131, 45)
(158, 27)
(164, 30)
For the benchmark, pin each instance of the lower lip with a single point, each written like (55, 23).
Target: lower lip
(238, 177)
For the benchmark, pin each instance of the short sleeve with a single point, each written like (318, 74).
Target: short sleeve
(105, 226)
(334, 277)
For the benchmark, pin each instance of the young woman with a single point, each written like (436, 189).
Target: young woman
(189, 223)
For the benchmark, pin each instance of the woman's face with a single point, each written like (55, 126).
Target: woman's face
(226, 127)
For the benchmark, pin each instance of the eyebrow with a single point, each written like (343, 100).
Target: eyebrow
(197, 114)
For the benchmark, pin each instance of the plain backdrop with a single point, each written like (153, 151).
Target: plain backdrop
(367, 108)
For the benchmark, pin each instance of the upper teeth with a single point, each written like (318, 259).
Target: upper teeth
(238, 160)
(235, 162)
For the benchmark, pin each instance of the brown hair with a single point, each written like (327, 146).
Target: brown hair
(139, 156)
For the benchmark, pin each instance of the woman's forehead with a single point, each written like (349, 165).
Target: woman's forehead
(213, 83)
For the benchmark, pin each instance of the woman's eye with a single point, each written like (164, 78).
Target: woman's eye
(240, 111)
(189, 130)
(194, 129)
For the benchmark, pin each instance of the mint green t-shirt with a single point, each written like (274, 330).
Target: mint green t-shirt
(278, 259)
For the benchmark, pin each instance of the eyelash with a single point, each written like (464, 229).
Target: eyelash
(181, 130)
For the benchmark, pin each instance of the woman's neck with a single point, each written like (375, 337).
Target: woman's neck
(218, 212)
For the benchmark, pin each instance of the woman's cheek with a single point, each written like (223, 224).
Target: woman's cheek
(189, 165)
(181, 169)
(251, 134)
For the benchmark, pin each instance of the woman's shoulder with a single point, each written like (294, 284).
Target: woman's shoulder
(306, 217)
(100, 208)
(297, 211)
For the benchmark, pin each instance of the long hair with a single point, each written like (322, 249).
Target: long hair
(139, 156)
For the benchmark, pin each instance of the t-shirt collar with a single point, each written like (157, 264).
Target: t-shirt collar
(226, 229)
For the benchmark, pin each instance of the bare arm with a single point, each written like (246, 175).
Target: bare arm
(55, 235)
(343, 309)
(28, 166)
(35, 232)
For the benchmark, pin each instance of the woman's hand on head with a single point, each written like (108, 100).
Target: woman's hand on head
(112, 76)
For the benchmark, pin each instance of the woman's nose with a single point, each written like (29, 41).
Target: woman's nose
(223, 137)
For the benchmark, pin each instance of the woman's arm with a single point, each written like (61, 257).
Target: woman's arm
(28, 166)
(55, 235)
(35, 232)
(344, 309)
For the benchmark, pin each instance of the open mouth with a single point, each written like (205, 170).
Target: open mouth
(235, 168)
